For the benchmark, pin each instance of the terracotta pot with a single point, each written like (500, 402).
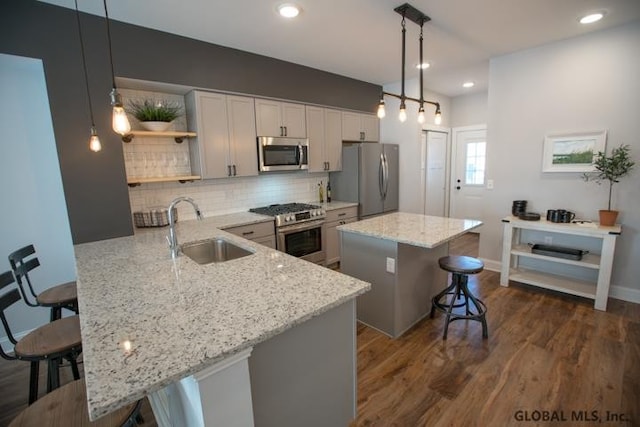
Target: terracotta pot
(608, 218)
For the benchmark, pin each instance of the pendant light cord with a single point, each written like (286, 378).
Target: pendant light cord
(404, 36)
(421, 68)
(106, 15)
(84, 65)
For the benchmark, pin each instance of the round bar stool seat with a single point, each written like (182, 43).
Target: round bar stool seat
(67, 406)
(457, 295)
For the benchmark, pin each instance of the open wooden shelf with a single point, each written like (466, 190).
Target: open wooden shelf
(133, 181)
(554, 282)
(178, 136)
(588, 260)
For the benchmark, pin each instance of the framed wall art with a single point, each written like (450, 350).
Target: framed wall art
(572, 151)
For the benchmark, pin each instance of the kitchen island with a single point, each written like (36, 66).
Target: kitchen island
(398, 254)
(266, 338)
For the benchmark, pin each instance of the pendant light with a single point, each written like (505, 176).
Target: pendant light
(94, 141)
(409, 12)
(119, 121)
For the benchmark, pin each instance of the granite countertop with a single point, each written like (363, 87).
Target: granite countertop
(413, 229)
(148, 320)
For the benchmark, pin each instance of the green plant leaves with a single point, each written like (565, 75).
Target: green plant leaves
(151, 110)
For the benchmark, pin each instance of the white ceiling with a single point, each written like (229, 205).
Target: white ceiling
(362, 38)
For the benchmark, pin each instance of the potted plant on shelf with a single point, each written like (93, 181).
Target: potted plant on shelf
(610, 168)
(155, 115)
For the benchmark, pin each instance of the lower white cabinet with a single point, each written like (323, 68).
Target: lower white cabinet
(331, 237)
(262, 233)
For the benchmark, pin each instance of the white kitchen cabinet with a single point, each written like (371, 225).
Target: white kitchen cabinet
(262, 233)
(324, 130)
(275, 118)
(226, 141)
(335, 218)
(360, 127)
(561, 274)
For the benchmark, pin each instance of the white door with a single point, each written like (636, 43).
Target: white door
(468, 172)
(435, 169)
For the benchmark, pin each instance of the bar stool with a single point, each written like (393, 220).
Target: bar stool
(52, 342)
(57, 297)
(67, 407)
(460, 267)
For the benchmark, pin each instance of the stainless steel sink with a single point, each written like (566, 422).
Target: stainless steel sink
(213, 250)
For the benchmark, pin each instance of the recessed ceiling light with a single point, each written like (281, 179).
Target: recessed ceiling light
(424, 65)
(591, 18)
(288, 10)
(468, 84)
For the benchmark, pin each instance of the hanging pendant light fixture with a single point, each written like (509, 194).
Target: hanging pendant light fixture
(119, 121)
(409, 12)
(94, 141)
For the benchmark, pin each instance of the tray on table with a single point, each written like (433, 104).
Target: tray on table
(558, 251)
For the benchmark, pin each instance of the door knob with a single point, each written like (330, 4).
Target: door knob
(457, 187)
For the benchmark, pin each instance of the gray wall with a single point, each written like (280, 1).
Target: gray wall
(95, 184)
(468, 110)
(33, 208)
(585, 83)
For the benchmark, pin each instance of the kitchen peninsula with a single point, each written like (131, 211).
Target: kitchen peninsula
(398, 254)
(266, 337)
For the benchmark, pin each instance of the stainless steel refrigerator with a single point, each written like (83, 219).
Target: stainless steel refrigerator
(369, 176)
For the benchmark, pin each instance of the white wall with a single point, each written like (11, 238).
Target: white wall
(408, 136)
(584, 83)
(468, 110)
(33, 207)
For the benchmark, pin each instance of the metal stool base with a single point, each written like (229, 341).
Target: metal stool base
(458, 290)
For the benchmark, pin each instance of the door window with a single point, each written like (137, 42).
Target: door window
(475, 163)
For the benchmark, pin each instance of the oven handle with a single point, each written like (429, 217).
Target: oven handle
(299, 227)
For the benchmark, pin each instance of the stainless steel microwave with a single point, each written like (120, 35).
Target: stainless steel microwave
(283, 154)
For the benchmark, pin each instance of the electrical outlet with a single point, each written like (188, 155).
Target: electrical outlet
(548, 240)
(489, 184)
(391, 265)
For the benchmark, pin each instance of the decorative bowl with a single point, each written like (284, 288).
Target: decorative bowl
(156, 126)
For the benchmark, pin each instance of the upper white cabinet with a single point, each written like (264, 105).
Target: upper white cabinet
(226, 141)
(324, 130)
(360, 127)
(274, 118)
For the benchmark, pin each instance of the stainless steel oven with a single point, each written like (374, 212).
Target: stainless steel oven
(298, 229)
(302, 240)
(283, 154)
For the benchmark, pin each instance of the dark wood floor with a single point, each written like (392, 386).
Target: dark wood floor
(548, 355)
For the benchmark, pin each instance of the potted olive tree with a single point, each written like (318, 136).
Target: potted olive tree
(610, 168)
(155, 115)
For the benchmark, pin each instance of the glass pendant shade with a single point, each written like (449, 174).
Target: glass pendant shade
(421, 115)
(120, 120)
(381, 110)
(438, 119)
(402, 116)
(94, 141)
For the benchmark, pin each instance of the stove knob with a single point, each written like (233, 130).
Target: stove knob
(314, 213)
(289, 218)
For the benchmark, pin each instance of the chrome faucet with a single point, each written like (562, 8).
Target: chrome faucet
(172, 238)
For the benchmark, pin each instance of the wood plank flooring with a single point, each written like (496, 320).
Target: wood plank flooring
(548, 354)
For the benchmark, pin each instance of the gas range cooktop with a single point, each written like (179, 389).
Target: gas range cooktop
(291, 213)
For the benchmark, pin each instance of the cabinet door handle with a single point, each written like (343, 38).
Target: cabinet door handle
(281, 131)
(247, 233)
(285, 131)
(342, 214)
(228, 170)
(234, 170)
(328, 165)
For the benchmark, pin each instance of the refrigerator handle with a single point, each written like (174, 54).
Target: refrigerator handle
(386, 176)
(381, 176)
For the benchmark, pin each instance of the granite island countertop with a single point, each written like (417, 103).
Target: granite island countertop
(412, 229)
(148, 320)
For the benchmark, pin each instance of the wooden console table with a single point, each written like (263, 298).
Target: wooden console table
(513, 249)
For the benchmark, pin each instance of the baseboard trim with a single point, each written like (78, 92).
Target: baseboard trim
(622, 293)
(625, 294)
